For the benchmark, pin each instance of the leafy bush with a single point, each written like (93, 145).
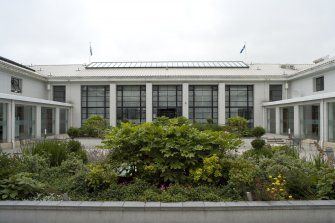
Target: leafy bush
(326, 183)
(100, 176)
(238, 126)
(9, 165)
(73, 132)
(95, 126)
(210, 172)
(55, 151)
(73, 146)
(19, 186)
(258, 131)
(203, 127)
(265, 151)
(34, 163)
(257, 143)
(166, 150)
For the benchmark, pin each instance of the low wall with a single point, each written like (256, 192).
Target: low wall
(191, 212)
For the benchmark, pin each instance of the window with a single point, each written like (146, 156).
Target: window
(47, 121)
(59, 93)
(16, 85)
(319, 84)
(276, 92)
(94, 101)
(240, 102)
(203, 103)
(131, 104)
(167, 100)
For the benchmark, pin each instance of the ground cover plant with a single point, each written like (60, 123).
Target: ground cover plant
(169, 160)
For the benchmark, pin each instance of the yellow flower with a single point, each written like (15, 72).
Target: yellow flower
(290, 197)
(267, 189)
(273, 188)
(279, 176)
(281, 189)
(270, 177)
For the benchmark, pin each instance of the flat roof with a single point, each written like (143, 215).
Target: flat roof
(169, 64)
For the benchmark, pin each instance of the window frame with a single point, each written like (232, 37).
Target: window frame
(53, 93)
(17, 85)
(319, 86)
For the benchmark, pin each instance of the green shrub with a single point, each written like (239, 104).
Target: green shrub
(95, 126)
(265, 151)
(55, 151)
(285, 150)
(19, 186)
(100, 176)
(10, 165)
(34, 163)
(73, 146)
(203, 127)
(258, 143)
(166, 150)
(73, 132)
(238, 126)
(258, 131)
(326, 183)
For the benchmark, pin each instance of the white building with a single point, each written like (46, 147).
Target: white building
(38, 100)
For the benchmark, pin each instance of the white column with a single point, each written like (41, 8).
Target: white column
(112, 105)
(221, 104)
(296, 118)
(148, 101)
(13, 127)
(38, 121)
(278, 124)
(265, 121)
(10, 114)
(185, 100)
(57, 122)
(322, 122)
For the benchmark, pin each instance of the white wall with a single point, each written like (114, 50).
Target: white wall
(304, 86)
(30, 87)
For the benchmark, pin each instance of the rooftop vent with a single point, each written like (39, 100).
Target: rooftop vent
(287, 66)
(319, 60)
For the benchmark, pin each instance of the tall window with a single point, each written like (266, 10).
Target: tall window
(25, 121)
(167, 100)
(287, 120)
(47, 121)
(203, 103)
(319, 83)
(59, 93)
(240, 102)
(94, 101)
(276, 92)
(16, 85)
(63, 120)
(131, 103)
(310, 121)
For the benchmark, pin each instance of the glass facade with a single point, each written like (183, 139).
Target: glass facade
(287, 120)
(63, 120)
(131, 104)
(310, 121)
(276, 92)
(203, 103)
(167, 100)
(25, 121)
(94, 101)
(271, 120)
(331, 122)
(59, 93)
(3, 122)
(240, 102)
(47, 121)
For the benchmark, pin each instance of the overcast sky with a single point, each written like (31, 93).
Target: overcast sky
(59, 31)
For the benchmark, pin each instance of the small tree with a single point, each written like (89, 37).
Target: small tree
(258, 132)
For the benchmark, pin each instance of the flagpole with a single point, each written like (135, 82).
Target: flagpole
(89, 54)
(245, 53)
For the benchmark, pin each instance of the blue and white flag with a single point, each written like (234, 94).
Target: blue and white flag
(242, 49)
